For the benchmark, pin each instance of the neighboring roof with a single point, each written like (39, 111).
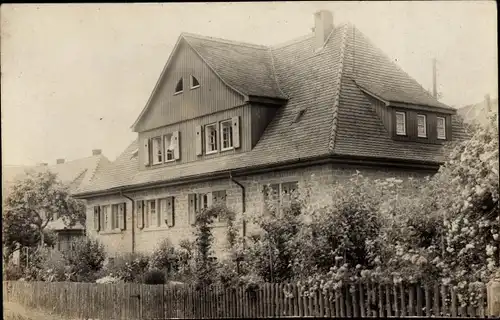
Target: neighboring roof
(76, 174)
(478, 113)
(338, 120)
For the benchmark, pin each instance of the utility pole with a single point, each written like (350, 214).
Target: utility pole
(434, 76)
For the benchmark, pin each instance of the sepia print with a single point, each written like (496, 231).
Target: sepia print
(250, 160)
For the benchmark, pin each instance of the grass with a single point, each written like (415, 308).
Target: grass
(14, 311)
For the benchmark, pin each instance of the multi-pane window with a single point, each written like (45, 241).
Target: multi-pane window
(153, 221)
(422, 125)
(203, 201)
(219, 198)
(167, 214)
(211, 138)
(441, 128)
(157, 150)
(401, 123)
(279, 195)
(226, 135)
(106, 218)
(169, 147)
(114, 217)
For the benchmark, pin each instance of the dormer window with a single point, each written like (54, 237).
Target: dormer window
(422, 126)
(401, 123)
(179, 87)
(194, 83)
(441, 128)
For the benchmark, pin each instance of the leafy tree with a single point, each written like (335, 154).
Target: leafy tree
(32, 204)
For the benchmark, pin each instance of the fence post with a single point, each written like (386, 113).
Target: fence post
(493, 294)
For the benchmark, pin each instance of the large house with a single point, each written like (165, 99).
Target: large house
(227, 118)
(75, 174)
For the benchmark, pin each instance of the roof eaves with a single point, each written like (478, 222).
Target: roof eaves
(336, 102)
(245, 96)
(282, 165)
(157, 85)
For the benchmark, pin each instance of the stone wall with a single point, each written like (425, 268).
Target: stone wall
(145, 240)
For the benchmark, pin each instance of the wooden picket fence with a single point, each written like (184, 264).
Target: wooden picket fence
(139, 301)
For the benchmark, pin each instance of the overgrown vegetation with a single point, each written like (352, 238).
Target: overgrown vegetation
(441, 228)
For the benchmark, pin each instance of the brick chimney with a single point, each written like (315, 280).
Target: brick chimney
(96, 152)
(59, 161)
(323, 26)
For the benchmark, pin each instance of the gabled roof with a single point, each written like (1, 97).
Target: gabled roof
(478, 113)
(247, 69)
(326, 86)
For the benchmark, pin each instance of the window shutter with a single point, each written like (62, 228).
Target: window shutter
(140, 214)
(236, 131)
(97, 221)
(191, 208)
(146, 152)
(121, 216)
(170, 211)
(177, 151)
(199, 149)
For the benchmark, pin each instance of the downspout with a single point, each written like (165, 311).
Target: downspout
(133, 219)
(243, 200)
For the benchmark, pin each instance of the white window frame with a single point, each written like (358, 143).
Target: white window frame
(403, 133)
(169, 154)
(157, 150)
(115, 225)
(424, 134)
(443, 136)
(191, 82)
(222, 125)
(207, 138)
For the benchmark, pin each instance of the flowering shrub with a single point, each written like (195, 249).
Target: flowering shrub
(108, 279)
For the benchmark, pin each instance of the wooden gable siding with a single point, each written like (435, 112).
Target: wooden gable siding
(261, 117)
(384, 112)
(212, 95)
(187, 136)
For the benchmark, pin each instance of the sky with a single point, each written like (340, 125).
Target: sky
(76, 76)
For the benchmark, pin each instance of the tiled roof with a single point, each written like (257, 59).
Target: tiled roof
(338, 118)
(75, 174)
(245, 67)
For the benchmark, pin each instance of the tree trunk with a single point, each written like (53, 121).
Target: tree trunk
(42, 238)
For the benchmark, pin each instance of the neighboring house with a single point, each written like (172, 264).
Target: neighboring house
(227, 118)
(75, 174)
(478, 113)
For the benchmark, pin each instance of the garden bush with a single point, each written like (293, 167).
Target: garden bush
(165, 257)
(154, 277)
(129, 267)
(86, 259)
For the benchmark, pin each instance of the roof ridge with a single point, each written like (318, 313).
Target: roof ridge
(394, 64)
(336, 97)
(216, 39)
(275, 76)
(292, 41)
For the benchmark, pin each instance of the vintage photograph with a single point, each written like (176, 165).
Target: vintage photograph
(250, 160)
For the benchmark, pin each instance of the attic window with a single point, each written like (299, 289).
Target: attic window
(299, 115)
(194, 83)
(179, 87)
